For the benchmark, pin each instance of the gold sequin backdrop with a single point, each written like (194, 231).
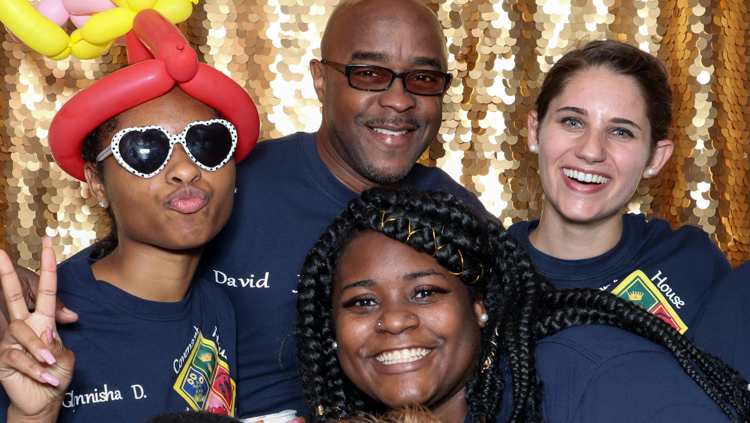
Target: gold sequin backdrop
(499, 51)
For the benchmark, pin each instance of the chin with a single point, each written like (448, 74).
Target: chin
(405, 396)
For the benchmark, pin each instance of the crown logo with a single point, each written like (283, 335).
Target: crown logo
(205, 357)
(635, 296)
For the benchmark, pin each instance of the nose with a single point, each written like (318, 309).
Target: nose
(591, 147)
(395, 320)
(397, 98)
(180, 168)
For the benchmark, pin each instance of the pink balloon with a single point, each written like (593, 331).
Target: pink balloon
(79, 20)
(87, 7)
(53, 10)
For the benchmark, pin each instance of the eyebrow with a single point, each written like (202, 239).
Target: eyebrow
(358, 284)
(421, 274)
(366, 283)
(372, 56)
(583, 112)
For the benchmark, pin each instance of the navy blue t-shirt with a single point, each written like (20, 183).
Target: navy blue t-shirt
(286, 198)
(137, 358)
(724, 329)
(666, 271)
(598, 373)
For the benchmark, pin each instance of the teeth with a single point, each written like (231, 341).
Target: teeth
(387, 132)
(402, 356)
(585, 177)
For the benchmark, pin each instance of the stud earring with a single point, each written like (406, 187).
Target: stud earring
(235, 190)
(484, 318)
(102, 205)
(650, 172)
(533, 148)
(334, 345)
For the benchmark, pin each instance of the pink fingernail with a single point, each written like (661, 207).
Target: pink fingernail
(50, 379)
(50, 339)
(47, 356)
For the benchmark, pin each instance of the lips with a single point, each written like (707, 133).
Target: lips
(584, 177)
(187, 200)
(389, 132)
(405, 355)
(393, 132)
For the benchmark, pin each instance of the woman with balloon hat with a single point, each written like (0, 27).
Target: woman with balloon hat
(157, 143)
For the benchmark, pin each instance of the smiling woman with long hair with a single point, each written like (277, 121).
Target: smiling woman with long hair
(412, 297)
(158, 153)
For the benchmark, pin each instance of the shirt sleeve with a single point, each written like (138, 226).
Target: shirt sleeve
(645, 386)
(724, 328)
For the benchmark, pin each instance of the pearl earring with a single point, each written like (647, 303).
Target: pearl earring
(650, 172)
(334, 345)
(483, 318)
(102, 205)
(533, 148)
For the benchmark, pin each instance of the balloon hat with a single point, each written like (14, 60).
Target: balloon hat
(160, 57)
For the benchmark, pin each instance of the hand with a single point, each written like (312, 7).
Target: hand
(29, 282)
(35, 367)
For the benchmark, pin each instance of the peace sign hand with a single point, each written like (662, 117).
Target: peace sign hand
(35, 367)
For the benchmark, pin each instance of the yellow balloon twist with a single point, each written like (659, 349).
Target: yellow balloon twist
(95, 37)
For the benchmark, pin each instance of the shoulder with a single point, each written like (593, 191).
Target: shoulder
(601, 373)
(76, 269)
(595, 344)
(688, 243)
(271, 152)
(661, 231)
(520, 230)
(724, 327)
(211, 294)
(435, 179)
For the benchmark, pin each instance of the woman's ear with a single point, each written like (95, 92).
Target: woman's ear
(96, 183)
(532, 125)
(480, 311)
(662, 153)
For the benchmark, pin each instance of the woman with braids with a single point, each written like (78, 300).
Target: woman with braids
(412, 297)
(601, 127)
(156, 142)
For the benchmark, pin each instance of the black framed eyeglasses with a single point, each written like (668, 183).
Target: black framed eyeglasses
(378, 78)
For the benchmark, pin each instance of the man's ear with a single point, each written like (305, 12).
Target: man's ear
(662, 153)
(319, 79)
(96, 183)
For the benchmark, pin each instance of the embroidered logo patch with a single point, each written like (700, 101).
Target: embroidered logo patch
(204, 382)
(638, 288)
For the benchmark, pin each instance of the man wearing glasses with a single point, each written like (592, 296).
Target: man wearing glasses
(381, 80)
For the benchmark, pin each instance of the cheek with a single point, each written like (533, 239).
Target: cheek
(632, 161)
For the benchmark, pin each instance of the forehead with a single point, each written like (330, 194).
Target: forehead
(172, 111)
(370, 250)
(603, 91)
(405, 35)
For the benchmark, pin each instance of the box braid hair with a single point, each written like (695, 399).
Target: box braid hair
(523, 307)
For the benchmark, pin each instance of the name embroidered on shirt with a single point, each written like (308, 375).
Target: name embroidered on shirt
(638, 288)
(667, 290)
(222, 278)
(71, 400)
(178, 362)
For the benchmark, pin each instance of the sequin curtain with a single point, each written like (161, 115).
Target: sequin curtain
(499, 51)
